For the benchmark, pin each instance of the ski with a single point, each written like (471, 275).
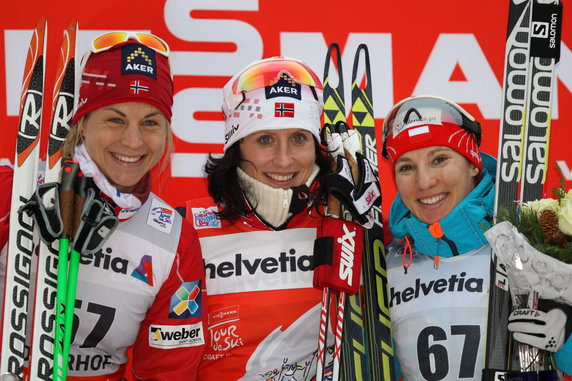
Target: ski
(506, 193)
(544, 52)
(352, 360)
(366, 348)
(18, 289)
(43, 332)
(376, 304)
(333, 118)
(532, 47)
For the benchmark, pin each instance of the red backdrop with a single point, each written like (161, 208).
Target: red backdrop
(450, 48)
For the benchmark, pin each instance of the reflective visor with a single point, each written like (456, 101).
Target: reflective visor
(267, 73)
(108, 40)
(427, 110)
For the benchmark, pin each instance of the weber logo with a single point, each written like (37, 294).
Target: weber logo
(176, 336)
(455, 283)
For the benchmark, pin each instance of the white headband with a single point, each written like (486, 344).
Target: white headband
(278, 112)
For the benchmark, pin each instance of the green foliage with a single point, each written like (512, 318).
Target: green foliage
(526, 222)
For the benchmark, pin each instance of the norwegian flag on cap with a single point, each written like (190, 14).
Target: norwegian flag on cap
(138, 87)
(282, 110)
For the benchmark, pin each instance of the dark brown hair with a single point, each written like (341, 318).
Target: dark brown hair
(224, 187)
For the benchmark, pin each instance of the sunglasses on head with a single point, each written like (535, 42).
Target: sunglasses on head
(267, 73)
(110, 39)
(424, 109)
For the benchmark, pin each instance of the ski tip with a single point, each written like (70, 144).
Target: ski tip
(73, 26)
(42, 24)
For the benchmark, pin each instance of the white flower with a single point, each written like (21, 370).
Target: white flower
(541, 205)
(565, 214)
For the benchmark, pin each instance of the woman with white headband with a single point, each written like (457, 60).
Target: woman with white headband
(258, 228)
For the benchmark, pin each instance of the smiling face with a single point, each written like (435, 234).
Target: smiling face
(433, 180)
(125, 140)
(279, 158)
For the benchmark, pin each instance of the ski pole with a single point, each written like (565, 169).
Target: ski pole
(70, 172)
(79, 200)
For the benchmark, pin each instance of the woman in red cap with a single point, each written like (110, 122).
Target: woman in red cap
(143, 289)
(439, 263)
(153, 296)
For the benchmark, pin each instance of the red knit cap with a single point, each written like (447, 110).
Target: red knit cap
(426, 121)
(128, 72)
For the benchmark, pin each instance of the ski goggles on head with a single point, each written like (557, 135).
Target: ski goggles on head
(110, 39)
(417, 114)
(268, 72)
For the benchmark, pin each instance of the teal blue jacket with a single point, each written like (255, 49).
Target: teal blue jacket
(463, 230)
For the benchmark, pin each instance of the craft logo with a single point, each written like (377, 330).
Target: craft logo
(186, 301)
(176, 336)
(204, 218)
(284, 87)
(284, 110)
(138, 59)
(144, 272)
(138, 87)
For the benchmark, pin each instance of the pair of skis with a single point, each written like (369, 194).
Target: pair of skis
(28, 342)
(366, 346)
(532, 49)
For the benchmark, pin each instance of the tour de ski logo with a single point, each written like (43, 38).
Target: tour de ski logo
(186, 301)
(161, 217)
(138, 59)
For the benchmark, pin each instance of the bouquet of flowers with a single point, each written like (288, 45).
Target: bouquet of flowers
(546, 223)
(534, 242)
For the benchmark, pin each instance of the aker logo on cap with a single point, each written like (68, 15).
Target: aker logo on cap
(138, 59)
(285, 87)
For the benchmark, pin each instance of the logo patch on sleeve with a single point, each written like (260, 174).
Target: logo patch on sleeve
(176, 336)
(138, 59)
(161, 217)
(186, 302)
(204, 218)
